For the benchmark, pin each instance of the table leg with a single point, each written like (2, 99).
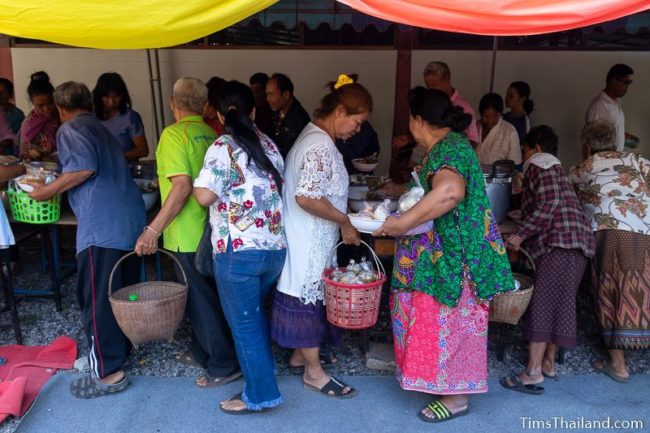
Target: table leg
(8, 290)
(53, 258)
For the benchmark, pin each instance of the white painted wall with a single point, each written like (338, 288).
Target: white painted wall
(563, 83)
(310, 70)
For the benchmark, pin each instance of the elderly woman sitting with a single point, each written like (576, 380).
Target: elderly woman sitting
(498, 138)
(613, 187)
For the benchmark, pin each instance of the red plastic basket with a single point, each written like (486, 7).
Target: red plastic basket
(354, 306)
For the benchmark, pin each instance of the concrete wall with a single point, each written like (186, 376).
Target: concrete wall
(563, 83)
(310, 70)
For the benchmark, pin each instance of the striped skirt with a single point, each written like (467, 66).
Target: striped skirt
(621, 282)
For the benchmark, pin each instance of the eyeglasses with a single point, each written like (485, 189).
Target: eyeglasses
(624, 82)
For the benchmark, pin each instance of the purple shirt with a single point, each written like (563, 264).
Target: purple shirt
(124, 128)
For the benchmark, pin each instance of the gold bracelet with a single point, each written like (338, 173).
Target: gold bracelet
(151, 230)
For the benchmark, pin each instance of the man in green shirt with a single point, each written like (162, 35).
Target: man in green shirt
(181, 220)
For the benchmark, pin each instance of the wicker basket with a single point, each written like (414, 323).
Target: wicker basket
(157, 310)
(354, 306)
(27, 210)
(508, 307)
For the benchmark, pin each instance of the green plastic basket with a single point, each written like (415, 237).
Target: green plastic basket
(27, 210)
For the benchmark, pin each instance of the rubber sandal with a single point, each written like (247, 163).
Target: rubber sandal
(213, 381)
(90, 387)
(606, 368)
(553, 377)
(186, 358)
(244, 411)
(515, 384)
(441, 412)
(334, 388)
(326, 361)
(524, 363)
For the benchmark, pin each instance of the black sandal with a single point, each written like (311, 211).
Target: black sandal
(90, 387)
(440, 412)
(244, 411)
(325, 362)
(334, 388)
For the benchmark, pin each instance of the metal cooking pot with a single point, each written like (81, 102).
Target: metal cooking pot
(498, 187)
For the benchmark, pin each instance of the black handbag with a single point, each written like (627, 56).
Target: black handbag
(203, 257)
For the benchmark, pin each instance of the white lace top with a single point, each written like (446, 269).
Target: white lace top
(314, 168)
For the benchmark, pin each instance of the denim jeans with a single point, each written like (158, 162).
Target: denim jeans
(244, 279)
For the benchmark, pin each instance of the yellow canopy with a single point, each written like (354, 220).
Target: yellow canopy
(122, 24)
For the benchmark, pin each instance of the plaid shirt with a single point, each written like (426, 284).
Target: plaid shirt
(552, 216)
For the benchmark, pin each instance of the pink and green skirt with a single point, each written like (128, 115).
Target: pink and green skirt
(439, 349)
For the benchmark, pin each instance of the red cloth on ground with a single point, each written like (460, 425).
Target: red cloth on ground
(26, 371)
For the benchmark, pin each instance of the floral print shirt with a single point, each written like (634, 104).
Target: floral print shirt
(248, 210)
(614, 190)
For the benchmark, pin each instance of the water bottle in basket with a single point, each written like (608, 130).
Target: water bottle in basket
(352, 294)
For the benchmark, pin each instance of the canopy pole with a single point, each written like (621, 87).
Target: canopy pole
(161, 111)
(154, 103)
(495, 46)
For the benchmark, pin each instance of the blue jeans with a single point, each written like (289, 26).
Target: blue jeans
(244, 279)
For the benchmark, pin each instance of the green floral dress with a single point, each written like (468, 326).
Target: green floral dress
(466, 240)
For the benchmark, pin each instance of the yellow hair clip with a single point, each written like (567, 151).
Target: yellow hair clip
(342, 81)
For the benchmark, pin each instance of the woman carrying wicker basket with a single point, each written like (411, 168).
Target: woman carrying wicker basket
(241, 181)
(443, 278)
(315, 200)
(557, 235)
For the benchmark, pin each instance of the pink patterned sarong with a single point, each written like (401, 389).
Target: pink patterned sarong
(440, 349)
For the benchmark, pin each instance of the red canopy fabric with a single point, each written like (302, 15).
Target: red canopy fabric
(499, 17)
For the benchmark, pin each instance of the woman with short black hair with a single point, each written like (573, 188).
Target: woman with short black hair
(498, 138)
(555, 232)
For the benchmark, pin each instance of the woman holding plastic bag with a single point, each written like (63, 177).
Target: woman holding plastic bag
(442, 279)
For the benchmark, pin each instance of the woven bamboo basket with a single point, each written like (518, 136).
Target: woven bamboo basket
(354, 306)
(510, 306)
(157, 311)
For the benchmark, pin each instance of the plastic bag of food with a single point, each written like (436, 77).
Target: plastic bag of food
(367, 277)
(414, 195)
(382, 211)
(353, 267)
(366, 265)
(366, 213)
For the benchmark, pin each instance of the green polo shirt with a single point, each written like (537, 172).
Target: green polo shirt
(180, 152)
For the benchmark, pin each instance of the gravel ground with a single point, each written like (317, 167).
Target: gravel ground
(41, 324)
